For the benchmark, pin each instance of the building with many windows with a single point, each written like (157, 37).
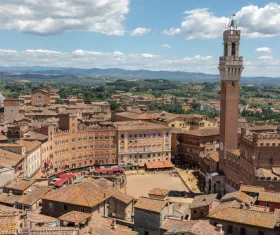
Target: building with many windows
(192, 146)
(72, 144)
(141, 142)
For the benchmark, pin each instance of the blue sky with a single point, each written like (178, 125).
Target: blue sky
(137, 34)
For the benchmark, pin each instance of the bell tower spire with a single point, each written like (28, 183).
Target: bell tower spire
(230, 66)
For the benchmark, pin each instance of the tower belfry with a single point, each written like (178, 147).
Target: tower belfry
(230, 66)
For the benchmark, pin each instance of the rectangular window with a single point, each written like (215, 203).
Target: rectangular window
(65, 207)
(243, 231)
(230, 229)
(122, 136)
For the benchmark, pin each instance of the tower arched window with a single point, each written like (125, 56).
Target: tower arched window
(226, 49)
(233, 49)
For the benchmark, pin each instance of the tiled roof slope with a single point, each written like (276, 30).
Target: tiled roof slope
(150, 204)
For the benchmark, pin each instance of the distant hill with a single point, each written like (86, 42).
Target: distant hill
(61, 74)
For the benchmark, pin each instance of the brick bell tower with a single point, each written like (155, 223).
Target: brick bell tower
(230, 66)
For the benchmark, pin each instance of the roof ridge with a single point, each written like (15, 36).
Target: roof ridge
(84, 194)
(154, 199)
(76, 216)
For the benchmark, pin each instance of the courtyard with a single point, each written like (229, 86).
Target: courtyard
(140, 185)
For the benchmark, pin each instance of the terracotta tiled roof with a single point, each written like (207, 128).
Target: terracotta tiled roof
(5, 198)
(83, 194)
(200, 132)
(8, 224)
(31, 135)
(259, 208)
(239, 196)
(139, 125)
(130, 115)
(75, 216)
(29, 145)
(261, 172)
(9, 159)
(159, 192)
(228, 204)
(10, 210)
(55, 231)
(159, 165)
(110, 231)
(145, 116)
(248, 217)
(269, 197)
(20, 185)
(108, 189)
(263, 128)
(34, 195)
(39, 218)
(251, 189)
(150, 204)
(104, 226)
(87, 193)
(195, 227)
(203, 200)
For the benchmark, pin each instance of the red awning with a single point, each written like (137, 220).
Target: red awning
(48, 163)
(64, 177)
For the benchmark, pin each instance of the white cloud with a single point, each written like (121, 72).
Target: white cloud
(81, 53)
(7, 52)
(254, 21)
(41, 52)
(58, 16)
(118, 54)
(165, 46)
(149, 56)
(263, 49)
(265, 57)
(264, 66)
(199, 24)
(140, 32)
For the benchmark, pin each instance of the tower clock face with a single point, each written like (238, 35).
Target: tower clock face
(221, 146)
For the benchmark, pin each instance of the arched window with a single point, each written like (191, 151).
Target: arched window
(226, 49)
(233, 49)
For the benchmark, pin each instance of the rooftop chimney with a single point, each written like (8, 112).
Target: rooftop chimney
(242, 205)
(219, 228)
(114, 224)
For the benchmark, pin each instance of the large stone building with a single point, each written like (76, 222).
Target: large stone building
(41, 97)
(192, 146)
(88, 197)
(12, 110)
(244, 221)
(72, 144)
(142, 142)
(149, 215)
(28, 151)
